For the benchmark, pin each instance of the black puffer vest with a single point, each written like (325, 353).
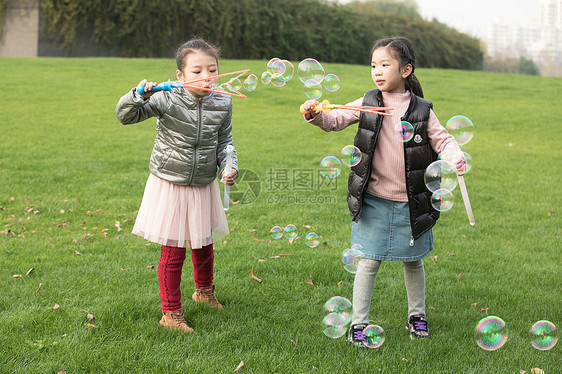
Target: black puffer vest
(418, 154)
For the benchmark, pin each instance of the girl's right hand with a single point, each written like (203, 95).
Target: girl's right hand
(308, 108)
(147, 88)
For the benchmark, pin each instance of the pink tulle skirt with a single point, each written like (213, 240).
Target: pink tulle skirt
(179, 216)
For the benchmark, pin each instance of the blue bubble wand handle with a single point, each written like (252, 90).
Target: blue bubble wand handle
(227, 170)
(466, 200)
(164, 86)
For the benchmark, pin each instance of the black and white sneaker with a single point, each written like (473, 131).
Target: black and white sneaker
(356, 336)
(418, 327)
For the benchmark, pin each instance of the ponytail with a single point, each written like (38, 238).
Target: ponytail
(413, 85)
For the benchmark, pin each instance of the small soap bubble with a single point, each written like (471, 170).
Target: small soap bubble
(234, 84)
(490, 333)
(373, 336)
(251, 82)
(290, 231)
(276, 232)
(312, 239)
(266, 77)
(351, 257)
(442, 200)
(350, 155)
(312, 89)
(309, 68)
(277, 80)
(341, 306)
(289, 70)
(334, 327)
(461, 128)
(331, 82)
(330, 167)
(276, 66)
(543, 335)
(440, 174)
(405, 131)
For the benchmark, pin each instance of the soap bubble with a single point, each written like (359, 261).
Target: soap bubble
(490, 333)
(331, 82)
(251, 82)
(234, 84)
(442, 200)
(543, 335)
(341, 306)
(351, 257)
(330, 167)
(289, 70)
(266, 77)
(461, 128)
(277, 80)
(276, 232)
(309, 68)
(312, 89)
(405, 131)
(450, 158)
(440, 174)
(275, 66)
(312, 239)
(350, 155)
(290, 231)
(334, 326)
(373, 336)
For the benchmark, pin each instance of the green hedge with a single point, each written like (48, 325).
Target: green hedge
(253, 29)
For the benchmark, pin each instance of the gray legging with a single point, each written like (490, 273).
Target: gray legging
(414, 277)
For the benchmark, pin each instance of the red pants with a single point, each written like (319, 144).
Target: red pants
(169, 273)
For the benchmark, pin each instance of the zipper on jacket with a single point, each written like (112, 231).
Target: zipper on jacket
(194, 160)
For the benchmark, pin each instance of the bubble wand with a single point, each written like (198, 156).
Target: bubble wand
(325, 107)
(167, 86)
(466, 200)
(227, 170)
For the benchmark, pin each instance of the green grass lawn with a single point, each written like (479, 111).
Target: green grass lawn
(72, 179)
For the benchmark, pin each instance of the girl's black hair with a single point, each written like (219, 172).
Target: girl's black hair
(404, 53)
(193, 45)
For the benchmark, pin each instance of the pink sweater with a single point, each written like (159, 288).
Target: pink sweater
(388, 179)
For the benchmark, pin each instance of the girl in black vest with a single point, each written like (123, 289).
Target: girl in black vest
(389, 203)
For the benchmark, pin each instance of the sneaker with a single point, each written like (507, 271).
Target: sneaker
(206, 295)
(355, 336)
(173, 319)
(418, 327)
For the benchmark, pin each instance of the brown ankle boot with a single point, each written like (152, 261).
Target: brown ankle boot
(207, 295)
(174, 320)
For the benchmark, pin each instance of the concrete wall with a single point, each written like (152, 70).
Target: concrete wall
(20, 34)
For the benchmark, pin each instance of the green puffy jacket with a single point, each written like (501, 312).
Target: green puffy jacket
(192, 133)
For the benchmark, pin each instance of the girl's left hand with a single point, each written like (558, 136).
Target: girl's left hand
(460, 164)
(230, 178)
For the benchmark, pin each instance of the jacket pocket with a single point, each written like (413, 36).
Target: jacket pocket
(164, 159)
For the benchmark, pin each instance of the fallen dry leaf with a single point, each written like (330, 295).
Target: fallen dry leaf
(90, 325)
(124, 270)
(309, 281)
(39, 290)
(261, 260)
(460, 276)
(239, 366)
(537, 371)
(551, 213)
(405, 360)
(432, 308)
(55, 307)
(150, 266)
(29, 271)
(324, 244)
(17, 276)
(307, 226)
(522, 372)
(452, 254)
(474, 304)
(293, 344)
(62, 372)
(484, 310)
(339, 283)
(256, 239)
(77, 253)
(253, 276)
(234, 227)
(252, 230)
(434, 259)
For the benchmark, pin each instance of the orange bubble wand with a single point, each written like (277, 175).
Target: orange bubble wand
(234, 92)
(325, 107)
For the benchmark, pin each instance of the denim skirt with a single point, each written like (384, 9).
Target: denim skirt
(385, 233)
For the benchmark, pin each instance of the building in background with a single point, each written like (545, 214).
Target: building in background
(540, 42)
